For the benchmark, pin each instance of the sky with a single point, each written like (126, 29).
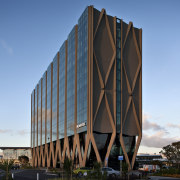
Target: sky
(31, 32)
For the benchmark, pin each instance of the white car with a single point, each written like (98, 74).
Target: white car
(110, 172)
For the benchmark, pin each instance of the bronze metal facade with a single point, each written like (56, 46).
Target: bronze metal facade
(113, 105)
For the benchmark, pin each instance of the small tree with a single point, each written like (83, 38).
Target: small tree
(97, 170)
(68, 167)
(23, 159)
(124, 168)
(176, 146)
(6, 166)
(172, 153)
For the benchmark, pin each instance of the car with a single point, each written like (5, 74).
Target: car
(82, 171)
(110, 172)
(15, 167)
(135, 173)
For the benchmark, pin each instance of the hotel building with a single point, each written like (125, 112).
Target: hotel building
(88, 104)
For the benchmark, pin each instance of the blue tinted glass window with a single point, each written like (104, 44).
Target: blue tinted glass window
(43, 107)
(39, 113)
(48, 123)
(82, 71)
(32, 134)
(54, 99)
(36, 117)
(70, 82)
(62, 90)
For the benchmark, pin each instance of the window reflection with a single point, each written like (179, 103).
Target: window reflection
(82, 70)
(33, 132)
(39, 113)
(54, 99)
(48, 123)
(62, 90)
(35, 114)
(71, 82)
(43, 106)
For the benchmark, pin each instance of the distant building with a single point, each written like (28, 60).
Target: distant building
(15, 152)
(143, 159)
(88, 104)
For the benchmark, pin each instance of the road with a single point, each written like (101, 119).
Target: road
(162, 178)
(2, 173)
(31, 174)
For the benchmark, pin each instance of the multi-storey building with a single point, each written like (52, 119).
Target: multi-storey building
(88, 104)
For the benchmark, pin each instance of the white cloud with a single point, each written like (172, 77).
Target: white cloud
(158, 137)
(157, 140)
(23, 132)
(173, 125)
(4, 131)
(6, 46)
(151, 125)
(12, 132)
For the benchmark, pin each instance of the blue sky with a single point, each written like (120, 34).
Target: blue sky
(31, 32)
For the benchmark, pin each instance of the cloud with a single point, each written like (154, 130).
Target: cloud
(173, 125)
(13, 132)
(4, 131)
(151, 125)
(157, 140)
(6, 46)
(23, 132)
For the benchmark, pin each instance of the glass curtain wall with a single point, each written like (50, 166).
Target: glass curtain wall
(36, 119)
(32, 135)
(39, 113)
(71, 83)
(54, 99)
(82, 71)
(118, 75)
(43, 106)
(48, 123)
(62, 52)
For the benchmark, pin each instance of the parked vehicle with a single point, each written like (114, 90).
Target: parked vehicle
(135, 173)
(110, 172)
(150, 168)
(81, 171)
(15, 167)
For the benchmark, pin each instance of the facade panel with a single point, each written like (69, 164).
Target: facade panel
(32, 110)
(62, 53)
(36, 117)
(48, 123)
(39, 114)
(54, 99)
(71, 83)
(82, 71)
(43, 107)
(118, 75)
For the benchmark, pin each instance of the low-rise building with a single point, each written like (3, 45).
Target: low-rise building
(15, 152)
(144, 159)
